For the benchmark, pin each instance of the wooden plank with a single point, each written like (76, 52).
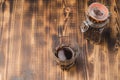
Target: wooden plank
(4, 39)
(29, 31)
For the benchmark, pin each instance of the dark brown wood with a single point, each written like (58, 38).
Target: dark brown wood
(29, 31)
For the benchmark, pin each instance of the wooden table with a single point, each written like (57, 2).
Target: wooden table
(29, 30)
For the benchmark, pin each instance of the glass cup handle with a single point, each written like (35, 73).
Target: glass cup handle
(84, 27)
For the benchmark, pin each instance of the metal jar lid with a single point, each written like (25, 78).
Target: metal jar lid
(98, 11)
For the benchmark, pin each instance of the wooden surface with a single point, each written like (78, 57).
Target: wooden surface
(29, 30)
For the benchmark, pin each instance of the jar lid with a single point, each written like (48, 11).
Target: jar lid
(98, 11)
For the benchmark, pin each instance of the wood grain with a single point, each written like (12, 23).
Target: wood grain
(29, 31)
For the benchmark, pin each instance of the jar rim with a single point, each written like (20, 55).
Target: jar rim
(100, 7)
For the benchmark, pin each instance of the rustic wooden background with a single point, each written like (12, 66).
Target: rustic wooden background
(29, 30)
